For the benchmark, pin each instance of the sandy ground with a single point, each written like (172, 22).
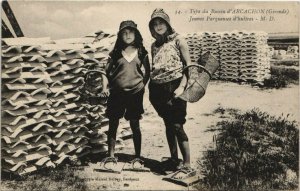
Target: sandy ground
(154, 144)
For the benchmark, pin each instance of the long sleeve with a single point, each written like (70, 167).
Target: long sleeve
(146, 65)
(152, 55)
(108, 66)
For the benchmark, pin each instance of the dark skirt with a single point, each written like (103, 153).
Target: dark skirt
(162, 98)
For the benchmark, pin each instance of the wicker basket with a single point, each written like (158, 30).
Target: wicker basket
(91, 93)
(199, 76)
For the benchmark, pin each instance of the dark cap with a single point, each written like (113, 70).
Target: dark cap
(128, 23)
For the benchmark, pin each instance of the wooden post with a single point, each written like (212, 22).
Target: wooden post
(5, 31)
(11, 17)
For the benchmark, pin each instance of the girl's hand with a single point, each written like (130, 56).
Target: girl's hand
(105, 93)
(178, 91)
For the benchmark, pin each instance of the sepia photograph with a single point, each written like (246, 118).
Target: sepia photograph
(149, 95)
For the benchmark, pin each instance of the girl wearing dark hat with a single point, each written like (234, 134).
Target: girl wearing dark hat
(126, 78)
(169, 55)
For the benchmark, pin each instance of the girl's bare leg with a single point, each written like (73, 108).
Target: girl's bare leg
(137, 136)
(183, 143)
(112, 134)
(172, 141)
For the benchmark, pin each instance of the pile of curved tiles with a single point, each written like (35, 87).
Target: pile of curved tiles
(26, 120)
(230, 56)
(44, 120)
(243, 56)
(255, 57)
(211, 42)
(194, 44)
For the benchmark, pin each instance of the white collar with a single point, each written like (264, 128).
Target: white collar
(129, 57)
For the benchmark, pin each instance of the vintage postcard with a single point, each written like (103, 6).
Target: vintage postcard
(150, 95)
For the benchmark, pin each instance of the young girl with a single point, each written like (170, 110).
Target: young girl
(169, 55)
(126, 84)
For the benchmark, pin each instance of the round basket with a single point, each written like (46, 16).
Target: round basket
(199, 76)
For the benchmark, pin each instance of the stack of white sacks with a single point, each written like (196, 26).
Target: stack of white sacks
(44, 120)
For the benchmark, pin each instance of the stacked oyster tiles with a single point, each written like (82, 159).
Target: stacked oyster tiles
(243, 56)
(211, 42)
(230, 56)
(194, 45)
(254, 57)
(45, 121)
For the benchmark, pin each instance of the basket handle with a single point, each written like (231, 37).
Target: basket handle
(98, 71)
(185, 68)
(199, 66)
(177, 69)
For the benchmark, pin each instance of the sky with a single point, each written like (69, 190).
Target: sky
(72, 19)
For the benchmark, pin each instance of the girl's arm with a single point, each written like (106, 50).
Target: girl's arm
(184, 50)
(108, 66)
(152, 55)
(146, 65)
(105, 89)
